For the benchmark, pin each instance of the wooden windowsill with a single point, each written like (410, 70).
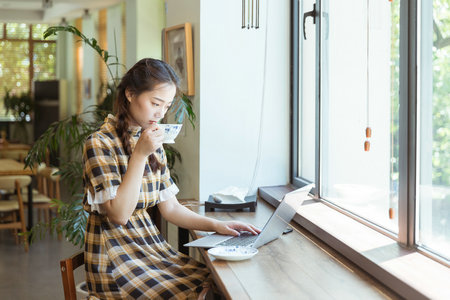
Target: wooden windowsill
(406, 271)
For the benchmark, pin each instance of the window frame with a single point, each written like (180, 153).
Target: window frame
(407, 217)
(31, 43)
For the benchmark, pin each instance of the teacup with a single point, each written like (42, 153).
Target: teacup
(170, 132)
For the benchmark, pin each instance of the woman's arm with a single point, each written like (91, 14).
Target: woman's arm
(183, 217)
(120, 209)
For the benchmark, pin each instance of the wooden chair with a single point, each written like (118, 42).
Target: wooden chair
(67, 267)
(14, 209)
(48, 185)
(16, 154)
(48, 188)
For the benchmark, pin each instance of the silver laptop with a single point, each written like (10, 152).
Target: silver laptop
(272, 230)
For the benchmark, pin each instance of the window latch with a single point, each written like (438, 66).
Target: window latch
(312, 14)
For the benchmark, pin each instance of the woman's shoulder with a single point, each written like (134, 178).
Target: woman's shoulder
(106, 135)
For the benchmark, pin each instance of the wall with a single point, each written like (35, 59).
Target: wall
(90, 61)
(232, 62)
(222, 150)
(65, 69)
(115, 21)
(178, 12)
(145, 20)
(228, 97)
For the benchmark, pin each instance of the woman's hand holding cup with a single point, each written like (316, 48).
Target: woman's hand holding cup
(150, 140)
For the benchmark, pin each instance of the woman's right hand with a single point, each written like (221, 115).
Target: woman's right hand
(150, 140)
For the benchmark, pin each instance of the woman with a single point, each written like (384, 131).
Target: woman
(125, 172)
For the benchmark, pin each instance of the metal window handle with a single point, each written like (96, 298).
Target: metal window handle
(312, 14)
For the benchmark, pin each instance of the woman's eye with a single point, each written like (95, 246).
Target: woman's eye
(155, 104)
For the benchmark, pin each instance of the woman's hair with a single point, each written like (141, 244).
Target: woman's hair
(142, 77)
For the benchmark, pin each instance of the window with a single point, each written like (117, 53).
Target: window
(21, 44)
(433, 147)
(356, 117)
(307, 105)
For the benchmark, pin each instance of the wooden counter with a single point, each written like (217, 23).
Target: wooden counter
(296, 266)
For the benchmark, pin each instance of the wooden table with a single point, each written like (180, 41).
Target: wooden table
(10, 167)
(14, 146)
(296, 266)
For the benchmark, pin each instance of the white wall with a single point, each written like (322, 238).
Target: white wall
(90, 60)
(178, 12)
(228, 97)
(145, 21)
(232, 62)
(114, 30)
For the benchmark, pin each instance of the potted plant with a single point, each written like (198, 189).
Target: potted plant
(69, 135)
(20, 105)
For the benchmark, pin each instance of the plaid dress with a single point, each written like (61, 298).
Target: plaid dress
(132, 261)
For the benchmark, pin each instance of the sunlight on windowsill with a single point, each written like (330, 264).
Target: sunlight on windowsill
(406, 271)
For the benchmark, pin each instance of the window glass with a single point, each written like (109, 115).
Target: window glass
(38, 32)
(307, 96)
(359, 90)
(433, 146)
(14, 68)
(44, 61)
(1, 30)
(17, 31)
(15, 60)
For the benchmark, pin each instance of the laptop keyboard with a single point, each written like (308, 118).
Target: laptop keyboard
(245, 239)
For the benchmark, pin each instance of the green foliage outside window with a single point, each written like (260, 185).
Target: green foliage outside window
(441, 92)
(15, 58)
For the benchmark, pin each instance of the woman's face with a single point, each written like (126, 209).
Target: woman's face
(151, 106)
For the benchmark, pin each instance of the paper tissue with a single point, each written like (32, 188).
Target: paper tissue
(230, 194)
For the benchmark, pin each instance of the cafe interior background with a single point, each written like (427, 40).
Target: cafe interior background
(253, 91)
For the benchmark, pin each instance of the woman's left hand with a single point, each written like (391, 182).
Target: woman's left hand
(234, 227)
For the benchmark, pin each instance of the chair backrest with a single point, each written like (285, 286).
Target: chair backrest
(17, 154)
(14, 182)
(67, 267)
(48, 182)
(9, 182)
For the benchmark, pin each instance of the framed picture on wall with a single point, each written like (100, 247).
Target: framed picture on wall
(178, 53)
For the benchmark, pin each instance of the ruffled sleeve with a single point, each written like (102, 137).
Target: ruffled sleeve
(101, 172)
(167, 188)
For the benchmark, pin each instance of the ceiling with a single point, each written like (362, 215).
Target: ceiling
(48, 11)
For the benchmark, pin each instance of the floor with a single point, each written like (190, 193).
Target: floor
(36, 274)
(33, 275)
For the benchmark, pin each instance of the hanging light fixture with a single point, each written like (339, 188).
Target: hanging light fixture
(47, 4)
(86, 14)
(250, 14)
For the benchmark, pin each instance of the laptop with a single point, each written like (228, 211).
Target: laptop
(272, 230)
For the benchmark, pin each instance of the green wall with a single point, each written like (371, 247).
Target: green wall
(145, 20)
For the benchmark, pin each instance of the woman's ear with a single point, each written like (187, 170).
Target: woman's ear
(128, 95)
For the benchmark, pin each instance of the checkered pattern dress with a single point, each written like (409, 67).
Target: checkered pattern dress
(131, 261)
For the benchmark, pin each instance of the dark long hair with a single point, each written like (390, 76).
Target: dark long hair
(142, 77)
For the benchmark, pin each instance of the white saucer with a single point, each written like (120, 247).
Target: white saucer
(233, 252)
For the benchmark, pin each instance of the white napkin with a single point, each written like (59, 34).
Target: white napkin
(231, 194)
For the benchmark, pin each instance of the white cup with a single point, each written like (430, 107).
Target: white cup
(170, 132)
